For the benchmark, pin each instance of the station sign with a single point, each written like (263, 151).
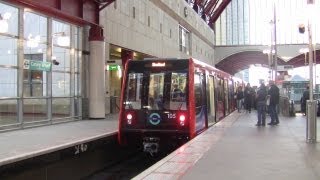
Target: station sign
(284, 68)
(113, 67)
(36, 65)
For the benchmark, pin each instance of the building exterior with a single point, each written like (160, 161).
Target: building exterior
(58, 58)
(136, 29)
(45, 48)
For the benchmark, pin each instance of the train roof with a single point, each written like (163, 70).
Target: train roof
(198, 63)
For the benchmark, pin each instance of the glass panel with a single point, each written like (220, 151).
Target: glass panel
(62, 56)
(178, 91)
(8, 112)
(61, 34)
(61, 108)
(35, 29)
(60, 84)
(133, 91)
(34, 83)
(34, 110)
(10, 15)
(184, 40)
(156, 85)
(8, 51)
(77, 104)
(197, 90)
(8, 82)
(211, 104)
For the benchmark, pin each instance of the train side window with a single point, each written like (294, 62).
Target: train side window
(133, 91)
(155, 95)
(178, 91)
(198, 90)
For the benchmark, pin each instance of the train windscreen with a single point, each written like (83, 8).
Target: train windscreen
(156, 90)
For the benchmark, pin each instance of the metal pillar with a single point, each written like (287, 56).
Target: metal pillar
(311, 121)
(311, 104)
(275, 43)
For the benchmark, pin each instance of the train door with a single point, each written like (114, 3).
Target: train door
(226, 96)
(211, 114)
(230, 94)
(219, 98)
(200, 101)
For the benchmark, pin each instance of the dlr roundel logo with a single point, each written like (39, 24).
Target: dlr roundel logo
(154, 118)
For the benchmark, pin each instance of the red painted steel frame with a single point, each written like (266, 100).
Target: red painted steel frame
(124, 79)
(73, 11)
(192, 114)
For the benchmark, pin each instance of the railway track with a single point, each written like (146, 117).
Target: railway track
(128, 167)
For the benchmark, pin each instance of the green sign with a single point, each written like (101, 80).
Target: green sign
(37, 65)
(113, 67)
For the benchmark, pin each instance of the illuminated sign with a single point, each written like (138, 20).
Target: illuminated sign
(36, 65)
(158, 64)
(113, 67)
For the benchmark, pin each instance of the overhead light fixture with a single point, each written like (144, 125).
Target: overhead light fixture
(63, 40)
(33, 42)
(4, 26)
(303, 50)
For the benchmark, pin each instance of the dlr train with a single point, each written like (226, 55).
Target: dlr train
(169, 101)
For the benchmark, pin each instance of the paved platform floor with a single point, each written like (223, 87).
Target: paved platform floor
(237, 149)
(26, 143)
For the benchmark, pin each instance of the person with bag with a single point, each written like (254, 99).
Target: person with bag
(274, 101)
(261, 105)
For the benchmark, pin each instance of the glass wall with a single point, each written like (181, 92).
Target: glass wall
(184, 40)
(39, 78)
(8, 65)
(249, 22)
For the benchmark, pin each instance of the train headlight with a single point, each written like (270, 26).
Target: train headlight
(182, 119)
(129, 118)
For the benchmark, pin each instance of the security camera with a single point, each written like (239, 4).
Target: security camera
(302, 28)
(55, 62)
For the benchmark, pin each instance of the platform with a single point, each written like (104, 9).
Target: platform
(28, 143)
(237, 149)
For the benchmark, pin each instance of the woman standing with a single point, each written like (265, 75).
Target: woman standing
(248, 97)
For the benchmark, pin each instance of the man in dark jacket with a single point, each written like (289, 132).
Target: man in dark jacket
(248, 91)
(261, 105)
(274, 101)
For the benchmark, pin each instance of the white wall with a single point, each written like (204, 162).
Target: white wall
(123, 30)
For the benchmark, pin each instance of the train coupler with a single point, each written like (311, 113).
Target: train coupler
(151, 145)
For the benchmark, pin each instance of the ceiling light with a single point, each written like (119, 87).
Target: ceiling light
(4, 26)
(63, 40)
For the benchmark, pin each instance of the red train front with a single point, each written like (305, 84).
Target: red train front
(164, 102)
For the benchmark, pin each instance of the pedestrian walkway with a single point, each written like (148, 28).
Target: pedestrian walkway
(237, 149)
(27, 143)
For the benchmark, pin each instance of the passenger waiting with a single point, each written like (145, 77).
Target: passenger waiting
(176, 93)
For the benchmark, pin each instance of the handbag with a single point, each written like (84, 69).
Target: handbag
(268, 100)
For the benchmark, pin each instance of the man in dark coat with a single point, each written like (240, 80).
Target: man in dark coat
(274, 101)
(261, 105)
(248, 91)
